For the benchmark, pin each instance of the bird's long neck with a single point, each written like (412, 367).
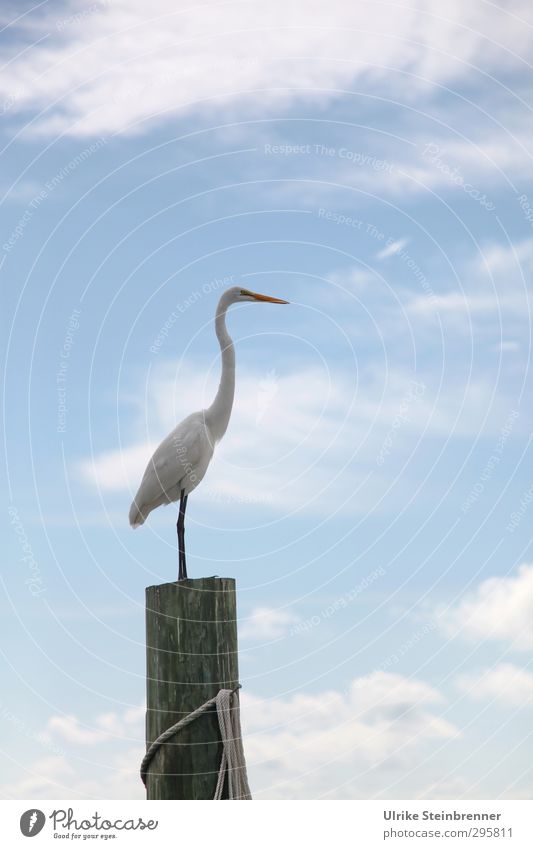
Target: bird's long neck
(218, 414)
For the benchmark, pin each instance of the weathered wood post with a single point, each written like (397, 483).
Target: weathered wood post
(191, 649)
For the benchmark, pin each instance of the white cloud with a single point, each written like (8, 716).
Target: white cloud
(385, 736)
(70, 729)
(470, 165)
(109, 67)
(341, 745)
(101, 759)
(108, 774)
(106, 726)
(290, 447)
(347, 280)
(466, 167)
(450, 788)
(470, 304)
(501, 258)
(392, 248)
(117, 470)
(504, 683)
(499, 609)
(44, 778)
(316, 435)
(273, 447)
(266, 623)
(495, 286)
(303, 746)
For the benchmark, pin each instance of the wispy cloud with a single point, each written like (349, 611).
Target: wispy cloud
(319, 433)
(102, 76)
(499, 609)
(276, 447)
(472, 167)
(505, 683)
(495, 284)
(106, 726)
(306, 746)
(70, 729)
(349, 279)
(473, 305)
(392, 248)
(115, 742)
(266, 623)
(108, 775)
(303, 746)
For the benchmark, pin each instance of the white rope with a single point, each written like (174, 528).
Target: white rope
(233, 763)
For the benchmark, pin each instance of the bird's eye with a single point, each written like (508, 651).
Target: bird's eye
(245, 292)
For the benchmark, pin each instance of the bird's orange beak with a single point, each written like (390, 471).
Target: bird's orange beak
(267, 299)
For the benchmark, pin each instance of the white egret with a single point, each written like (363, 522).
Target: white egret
(180, 462)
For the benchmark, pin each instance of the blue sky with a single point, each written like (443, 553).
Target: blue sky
(371, 163)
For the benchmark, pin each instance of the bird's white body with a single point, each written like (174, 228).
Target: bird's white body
(181, 461)
(178, 465)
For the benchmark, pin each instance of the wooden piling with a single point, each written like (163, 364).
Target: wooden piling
(191, 651)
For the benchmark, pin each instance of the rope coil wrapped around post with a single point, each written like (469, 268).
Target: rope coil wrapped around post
(233, 763)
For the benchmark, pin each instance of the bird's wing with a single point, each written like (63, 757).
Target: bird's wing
(181, 451)
(174, 463)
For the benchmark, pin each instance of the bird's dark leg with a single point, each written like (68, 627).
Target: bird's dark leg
(180, 558)
(182, 570)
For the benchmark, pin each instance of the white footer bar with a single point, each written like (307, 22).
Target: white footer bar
(273, 825)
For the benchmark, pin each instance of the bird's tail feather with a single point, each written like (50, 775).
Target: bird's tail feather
(136, 517)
